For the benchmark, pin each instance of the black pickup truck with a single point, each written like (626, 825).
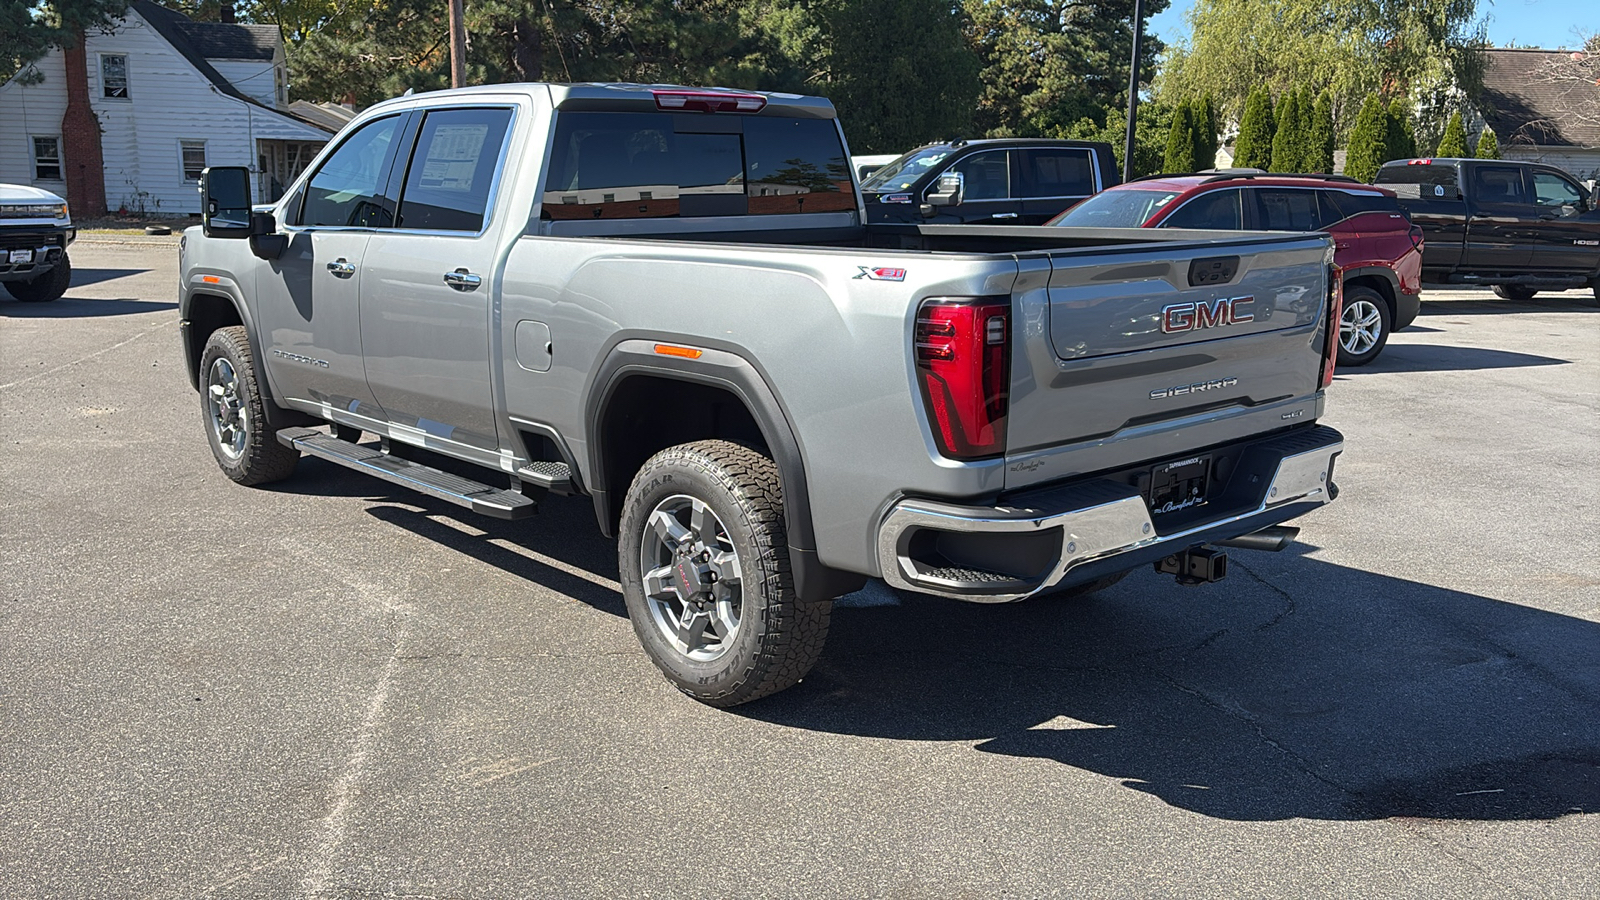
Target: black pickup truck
(1520, 227)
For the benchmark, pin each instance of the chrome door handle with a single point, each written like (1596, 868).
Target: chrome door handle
(462, 280)
(342, 268)
(1005, 215)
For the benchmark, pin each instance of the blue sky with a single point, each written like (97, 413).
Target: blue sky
(1543, 23)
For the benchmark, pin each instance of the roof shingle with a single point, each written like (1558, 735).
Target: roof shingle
(1525, 102)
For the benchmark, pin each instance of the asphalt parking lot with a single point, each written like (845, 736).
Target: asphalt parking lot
(328, 689)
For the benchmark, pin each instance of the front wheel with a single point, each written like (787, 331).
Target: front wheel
(704, 564)
(235, 412)
(49, 286)
(1514, 292)
(1363, 326)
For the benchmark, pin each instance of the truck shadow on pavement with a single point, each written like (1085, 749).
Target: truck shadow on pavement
(1441, 358)
(1295, 689)
(69, 308)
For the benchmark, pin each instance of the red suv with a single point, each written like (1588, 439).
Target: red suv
(1375, 245)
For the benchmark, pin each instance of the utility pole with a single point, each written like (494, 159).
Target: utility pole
(458, 44)
(1133, 88)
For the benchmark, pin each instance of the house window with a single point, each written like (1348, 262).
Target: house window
(47, 159)
(194, 159)
(277, 79)
(114, 75)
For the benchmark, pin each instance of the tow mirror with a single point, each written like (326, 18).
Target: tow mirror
(225, 202)
(949, 189)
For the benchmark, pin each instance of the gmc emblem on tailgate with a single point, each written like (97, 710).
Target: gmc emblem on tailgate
(1181, 317)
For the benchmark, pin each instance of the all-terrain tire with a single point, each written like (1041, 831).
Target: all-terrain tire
(778, 637)
(234, 411)
(1365, 312)
(49, 286)
(1514, 292)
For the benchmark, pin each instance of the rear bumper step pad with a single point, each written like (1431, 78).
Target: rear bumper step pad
(478, 497)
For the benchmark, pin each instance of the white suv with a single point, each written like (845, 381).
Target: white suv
(35, 229)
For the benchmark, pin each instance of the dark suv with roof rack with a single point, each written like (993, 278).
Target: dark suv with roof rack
(1002, 181)
(1376, 247)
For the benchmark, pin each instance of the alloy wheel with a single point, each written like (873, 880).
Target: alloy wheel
(230, 419)
(1360, 326)
(691, 577)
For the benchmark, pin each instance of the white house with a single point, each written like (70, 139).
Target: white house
(172, 97)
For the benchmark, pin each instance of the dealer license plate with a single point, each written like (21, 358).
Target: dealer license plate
(1180, 485)
(21, 256)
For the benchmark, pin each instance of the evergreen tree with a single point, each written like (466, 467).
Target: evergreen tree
(1488, 145)
(1253, 148)
(1286, 143)
(1322, 136)
(891, 102)
(1308, 132)
(1454, 143)
(1365, 154)
(1180, 141)
(1150, 135)
(1399, 139)
(1205, 133)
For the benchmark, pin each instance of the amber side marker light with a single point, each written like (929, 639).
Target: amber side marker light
(210, 279)
(685, 352)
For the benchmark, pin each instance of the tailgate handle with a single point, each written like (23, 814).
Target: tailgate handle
(1213, 270)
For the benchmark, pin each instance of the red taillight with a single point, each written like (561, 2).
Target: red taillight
(963, 353)
(1330, 350)
(708, 101)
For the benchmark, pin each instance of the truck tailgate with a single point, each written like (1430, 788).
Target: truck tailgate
(1142, 351)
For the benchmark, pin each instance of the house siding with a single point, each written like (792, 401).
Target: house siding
(1582, 163)
(168, 101)
(252, 77)
(28, 110)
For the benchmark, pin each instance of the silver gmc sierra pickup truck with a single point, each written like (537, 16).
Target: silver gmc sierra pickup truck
(667, 299)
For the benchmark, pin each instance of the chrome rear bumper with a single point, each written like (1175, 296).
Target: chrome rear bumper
(1083, 531)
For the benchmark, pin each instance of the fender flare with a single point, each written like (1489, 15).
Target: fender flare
(721, 366)
(193, 349)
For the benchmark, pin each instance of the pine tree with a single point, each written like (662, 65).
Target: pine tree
(1180, 141)
(1488, 145)
(1454, 143)
(1253, 148)
(1400, 139)
(1308, 132)
(1205, 132)
(1365, 154)
(1322, 136)
(1286, 143)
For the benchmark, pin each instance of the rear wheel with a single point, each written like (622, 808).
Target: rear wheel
(1514, 292)
(1363, 326)
(704, 565)
(49, 286)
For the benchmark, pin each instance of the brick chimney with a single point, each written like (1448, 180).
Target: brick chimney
(84, 168)
(225, 14)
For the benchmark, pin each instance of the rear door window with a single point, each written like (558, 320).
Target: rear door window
(1287, 209)
(633, 165)
(1056, 173)
(1215, 210)
(452, 170)
(1498, 184)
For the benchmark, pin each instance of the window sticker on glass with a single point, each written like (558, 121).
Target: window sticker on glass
(453, 157)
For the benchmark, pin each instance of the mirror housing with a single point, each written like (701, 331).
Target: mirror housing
(225, 202)
(949, 190)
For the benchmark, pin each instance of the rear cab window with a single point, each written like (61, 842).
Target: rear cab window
(1048, 173)
(642, 165)
(1419, 181)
